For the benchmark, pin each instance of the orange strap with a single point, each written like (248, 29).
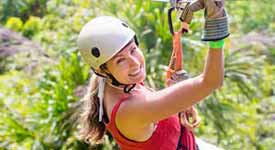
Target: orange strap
(175, 63)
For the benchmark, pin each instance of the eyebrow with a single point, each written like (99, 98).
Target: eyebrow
(119, 53)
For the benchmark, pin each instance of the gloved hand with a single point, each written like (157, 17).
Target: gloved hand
(216, 19)
(187, 115)
(177, 76)
(187, 13)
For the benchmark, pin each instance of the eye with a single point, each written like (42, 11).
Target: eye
(133, 50)
(120, 60)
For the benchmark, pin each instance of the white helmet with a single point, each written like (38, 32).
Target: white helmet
(101, 38)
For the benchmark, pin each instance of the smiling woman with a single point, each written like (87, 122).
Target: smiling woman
(131, 60)
(117, 100)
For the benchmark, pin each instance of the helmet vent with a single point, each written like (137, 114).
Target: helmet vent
(124, 24)
(95, 52)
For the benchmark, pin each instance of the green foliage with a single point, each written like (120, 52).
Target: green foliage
(14, 23)
(14, 127)
(3, 64)
(32, 26)
(57, 92)
(22, 8)
(33, 111)
(252, 16)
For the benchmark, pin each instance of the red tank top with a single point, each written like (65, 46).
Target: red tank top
(165, 137)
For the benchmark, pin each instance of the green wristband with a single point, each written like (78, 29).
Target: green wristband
(216, 44)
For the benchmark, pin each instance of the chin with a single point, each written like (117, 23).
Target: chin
(141, 79)
(138, 80)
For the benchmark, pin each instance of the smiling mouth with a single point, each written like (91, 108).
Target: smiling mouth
(136, 72)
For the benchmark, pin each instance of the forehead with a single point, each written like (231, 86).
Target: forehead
(125, 48)
(121, 52)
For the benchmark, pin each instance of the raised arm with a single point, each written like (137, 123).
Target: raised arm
(159, 105)
(186, 93)
(155, 106)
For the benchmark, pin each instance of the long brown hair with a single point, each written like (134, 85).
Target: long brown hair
(91, 130)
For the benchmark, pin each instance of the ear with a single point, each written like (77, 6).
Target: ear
(103, 69)
(99, 72)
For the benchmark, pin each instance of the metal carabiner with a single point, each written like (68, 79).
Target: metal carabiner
(176, 5)
(170, 22)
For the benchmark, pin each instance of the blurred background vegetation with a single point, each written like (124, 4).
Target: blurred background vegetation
(43, 78)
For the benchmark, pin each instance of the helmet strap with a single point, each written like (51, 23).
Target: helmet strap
(98, 74)
(128, 90)
(127, 87)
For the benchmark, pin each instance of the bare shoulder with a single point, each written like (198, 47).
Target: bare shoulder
(130, 109)
(128, 118)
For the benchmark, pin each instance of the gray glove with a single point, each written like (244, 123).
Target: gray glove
(216, 19)
(189, 9)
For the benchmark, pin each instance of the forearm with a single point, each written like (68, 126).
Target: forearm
(177, 97)
(186, 93)
(213, 73)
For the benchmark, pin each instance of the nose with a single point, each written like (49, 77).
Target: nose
(134, 61)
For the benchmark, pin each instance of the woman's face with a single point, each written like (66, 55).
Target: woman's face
(128, 66)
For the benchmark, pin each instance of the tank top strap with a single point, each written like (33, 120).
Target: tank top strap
(116, 107)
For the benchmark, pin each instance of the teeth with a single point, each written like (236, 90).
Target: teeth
(135, 72)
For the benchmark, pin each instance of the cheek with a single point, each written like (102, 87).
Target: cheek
(121, 73)
(141, 57)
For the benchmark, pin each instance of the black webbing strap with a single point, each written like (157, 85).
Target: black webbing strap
(180, 146)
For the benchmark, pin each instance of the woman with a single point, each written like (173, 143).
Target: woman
(137, 117)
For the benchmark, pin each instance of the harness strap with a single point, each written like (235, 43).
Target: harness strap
(175, 63)
(186, 139)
